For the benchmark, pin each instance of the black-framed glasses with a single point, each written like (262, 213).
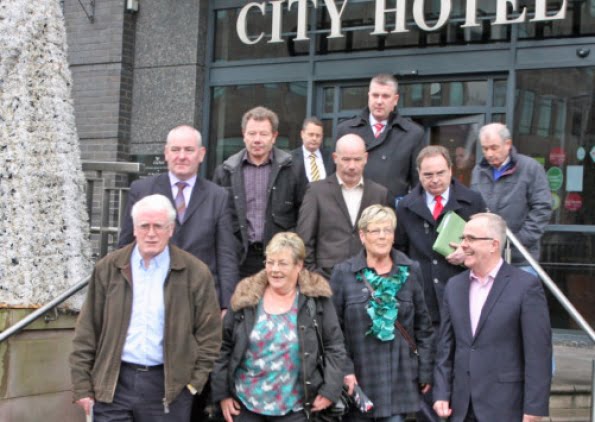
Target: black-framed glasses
(470, 238)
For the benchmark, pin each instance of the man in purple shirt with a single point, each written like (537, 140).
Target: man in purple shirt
(494, 352)
(263, 189)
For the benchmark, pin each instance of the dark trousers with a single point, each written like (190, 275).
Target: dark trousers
(248, 416)
(426, 412)
(254, 261)
(139, 398)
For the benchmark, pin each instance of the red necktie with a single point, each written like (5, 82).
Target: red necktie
(378, 129)
(438, 207)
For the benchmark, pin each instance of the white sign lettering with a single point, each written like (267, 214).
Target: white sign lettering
(275, 9)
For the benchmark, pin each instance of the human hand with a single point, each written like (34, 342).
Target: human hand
(442, 408)
(531, 418)
(320, 403)
(425, 388)
(458, 256)
(229, 408)
(87, 404)
(350, 381)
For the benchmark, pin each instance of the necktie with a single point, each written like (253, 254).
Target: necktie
(180, 201)
(438, 207)
(314, 168)
(378, 129)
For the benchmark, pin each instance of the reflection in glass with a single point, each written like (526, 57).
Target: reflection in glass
(229, 103)
(354, 97)
(545, 114)
(500, 93)
(329, 99)
(443, 94)
(579, 21)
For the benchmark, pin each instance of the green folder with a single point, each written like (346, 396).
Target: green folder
(449, 230)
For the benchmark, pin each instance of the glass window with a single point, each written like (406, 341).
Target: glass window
(500, 93)
(354, 97)
(580, 20)
(228, 45)
(563, 141)
(443, 94)
(229, 103)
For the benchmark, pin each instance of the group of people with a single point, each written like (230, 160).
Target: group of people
(339, 283)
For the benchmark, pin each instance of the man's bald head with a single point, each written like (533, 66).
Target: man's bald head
(350, 158)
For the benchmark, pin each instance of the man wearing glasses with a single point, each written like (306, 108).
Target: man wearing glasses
(419, 214)
(494, 352)
(140, 354)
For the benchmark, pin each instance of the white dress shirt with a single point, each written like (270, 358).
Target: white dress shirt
(319, 163)
(353, 198)
(373, 121)
(431, 199)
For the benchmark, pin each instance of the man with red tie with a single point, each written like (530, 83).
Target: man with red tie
(419, 214)
(392, 141)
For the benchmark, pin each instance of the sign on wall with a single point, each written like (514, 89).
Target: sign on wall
(505, 9)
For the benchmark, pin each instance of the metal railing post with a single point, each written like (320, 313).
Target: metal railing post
(556, 292)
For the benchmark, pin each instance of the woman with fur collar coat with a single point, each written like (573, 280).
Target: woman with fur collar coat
(271, 360)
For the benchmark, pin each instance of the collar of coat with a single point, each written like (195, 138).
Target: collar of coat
(280, 158)
(359, 262)
(394, 119)
(122, 257)
(250, 290)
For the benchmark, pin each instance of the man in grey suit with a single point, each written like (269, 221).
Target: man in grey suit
(311, 162)
(331, 208)
(203, 225)
(494, 355)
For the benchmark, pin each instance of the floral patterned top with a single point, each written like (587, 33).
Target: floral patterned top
(267, 379)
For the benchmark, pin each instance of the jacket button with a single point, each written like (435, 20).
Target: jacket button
(306, 353)
(384, 157)
(435, 262)
(308, 383)
(236, 197)
(436, 281)
(273, 214)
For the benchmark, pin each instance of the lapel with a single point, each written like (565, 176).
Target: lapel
(500, 282)
(338, 196)
(367, 199)
(453, 203)
(163, 187)
(418, 206)
(327, 159)
(196, 198)
(465, 305)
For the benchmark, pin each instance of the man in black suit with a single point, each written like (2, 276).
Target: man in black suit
(310, 162)
(203, 226)
(392, 141)
(331, 208)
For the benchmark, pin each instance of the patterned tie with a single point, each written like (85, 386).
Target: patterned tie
(180, 201)
(378, 129)
(314, 168)
(438, 207)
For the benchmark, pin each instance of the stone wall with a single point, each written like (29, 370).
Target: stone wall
(43, 222)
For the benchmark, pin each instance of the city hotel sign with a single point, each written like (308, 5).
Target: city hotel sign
(503, 16)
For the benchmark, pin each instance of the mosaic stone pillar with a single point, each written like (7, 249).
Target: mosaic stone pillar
(44, 239)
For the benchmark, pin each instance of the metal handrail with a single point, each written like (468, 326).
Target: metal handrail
(14, 329)
(556, 292)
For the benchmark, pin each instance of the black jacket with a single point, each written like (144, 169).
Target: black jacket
(283, 201)
(391, 156)
(239, 321)
(299, 167)
(416, 233)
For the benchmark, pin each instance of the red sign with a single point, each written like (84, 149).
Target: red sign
(573, 201)
(557, 156)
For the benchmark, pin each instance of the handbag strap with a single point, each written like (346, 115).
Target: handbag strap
(399, 326)
(311, 304)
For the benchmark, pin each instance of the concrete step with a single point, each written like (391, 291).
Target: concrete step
(570, 403)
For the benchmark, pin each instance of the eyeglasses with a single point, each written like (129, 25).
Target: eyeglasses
(280, 264)
(157, 228)
(470, 238)
(384, 231)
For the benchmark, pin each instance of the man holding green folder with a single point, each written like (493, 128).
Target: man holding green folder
(418, 216)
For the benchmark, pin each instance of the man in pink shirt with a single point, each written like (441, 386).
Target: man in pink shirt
(494, 349)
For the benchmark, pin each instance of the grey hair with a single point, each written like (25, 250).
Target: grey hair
(154, 203)
(502, 131)
(377, 214)
(496, 226)
(181, 128)
(287, 240)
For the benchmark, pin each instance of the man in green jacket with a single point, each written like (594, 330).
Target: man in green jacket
(149, 331)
